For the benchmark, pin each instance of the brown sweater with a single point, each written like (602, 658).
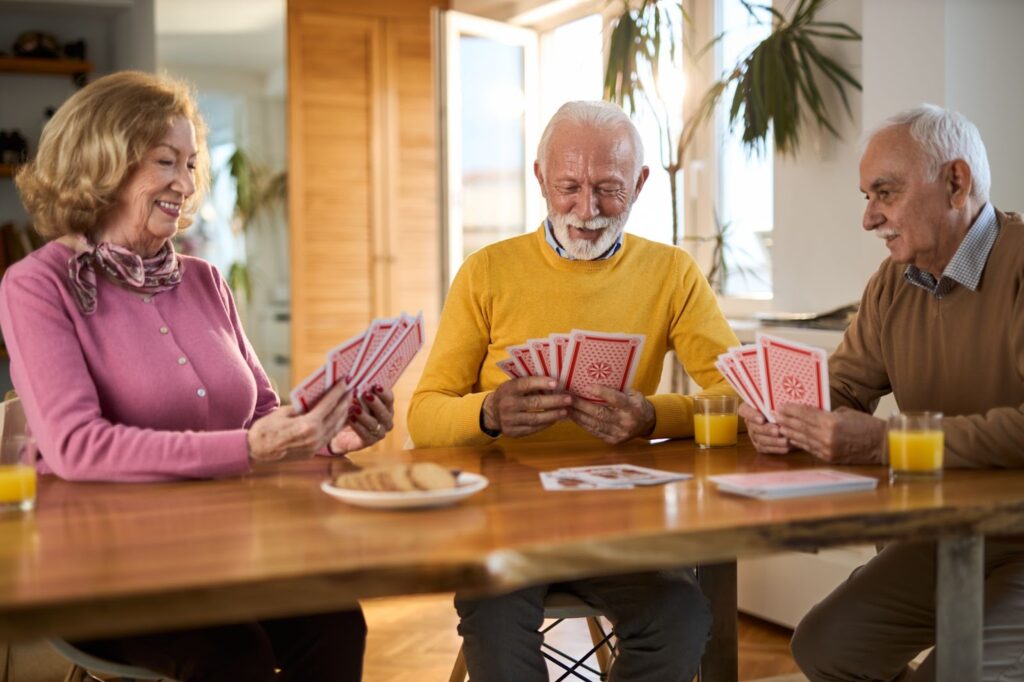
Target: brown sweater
(962, 354)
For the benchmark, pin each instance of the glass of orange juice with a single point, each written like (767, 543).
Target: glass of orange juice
(714, 421)
(17, 459)
(916, 444)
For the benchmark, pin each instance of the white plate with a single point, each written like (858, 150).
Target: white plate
(467, 484)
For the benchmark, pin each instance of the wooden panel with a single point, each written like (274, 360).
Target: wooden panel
(392, 9)
(414, 238)
(364, 210)
(335, 92)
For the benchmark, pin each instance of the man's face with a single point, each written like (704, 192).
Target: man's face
(590, 183)
(911, 212)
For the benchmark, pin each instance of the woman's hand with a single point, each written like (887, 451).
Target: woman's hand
(368, 423)
(274, 435)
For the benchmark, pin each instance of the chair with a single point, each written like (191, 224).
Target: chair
(561, 606)
(12, 422)
(86, 666)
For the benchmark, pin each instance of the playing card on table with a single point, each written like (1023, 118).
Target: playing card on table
(393, 361)
(342, 358)
(310, 390)
(559, 344)
(600, 359)
(510, 368)
(540, 352)
(559, 480)
(792, 373)
(617, 475)
(524, 360)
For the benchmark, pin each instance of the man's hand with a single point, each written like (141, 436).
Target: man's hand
(842, 437)
(766, 436)
(519, 407)
(624, 416)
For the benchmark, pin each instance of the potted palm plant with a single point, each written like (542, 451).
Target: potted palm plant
(778, 84)
(258, 190)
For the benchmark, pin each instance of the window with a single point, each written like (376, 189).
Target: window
(488, 129)
(745, 179)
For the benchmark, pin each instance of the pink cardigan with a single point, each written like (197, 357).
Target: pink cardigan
(146, 388)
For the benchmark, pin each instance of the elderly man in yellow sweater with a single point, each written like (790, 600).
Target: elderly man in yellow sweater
(577, 270)
(941, 325)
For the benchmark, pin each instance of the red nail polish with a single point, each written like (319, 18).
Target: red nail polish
(356, 410)
(378, 389)
(370, 398)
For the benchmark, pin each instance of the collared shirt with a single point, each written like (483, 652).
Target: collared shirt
(549, 235)
(968, 262)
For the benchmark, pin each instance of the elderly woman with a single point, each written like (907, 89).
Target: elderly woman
(132, 364)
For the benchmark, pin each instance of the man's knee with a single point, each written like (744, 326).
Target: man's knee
(521, 611)
(814, 643)
(674, 613)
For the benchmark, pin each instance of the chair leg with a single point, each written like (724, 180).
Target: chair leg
(75, 674)
(603, 653)
(459, 669)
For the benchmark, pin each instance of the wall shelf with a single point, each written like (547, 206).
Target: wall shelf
(58, 67)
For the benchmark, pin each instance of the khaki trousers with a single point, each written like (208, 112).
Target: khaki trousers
(883, 616)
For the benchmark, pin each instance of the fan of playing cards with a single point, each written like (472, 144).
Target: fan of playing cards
(773, 371)
(377, 357)
(579, 360)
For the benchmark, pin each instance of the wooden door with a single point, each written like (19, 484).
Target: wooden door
(363, 174)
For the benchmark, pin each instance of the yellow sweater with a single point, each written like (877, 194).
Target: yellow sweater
(520, 289)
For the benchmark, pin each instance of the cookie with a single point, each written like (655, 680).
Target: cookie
(430, 476)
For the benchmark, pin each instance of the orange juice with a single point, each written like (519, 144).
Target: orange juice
(714, 430)
(17, 485)
(915, 451)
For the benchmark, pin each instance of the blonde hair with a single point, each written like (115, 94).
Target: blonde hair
(96, 140)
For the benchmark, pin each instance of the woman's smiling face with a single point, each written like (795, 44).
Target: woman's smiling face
(151, 199)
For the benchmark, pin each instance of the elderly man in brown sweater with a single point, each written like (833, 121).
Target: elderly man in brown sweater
(941, 326)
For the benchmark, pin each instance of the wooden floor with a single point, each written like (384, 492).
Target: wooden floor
(413, 639)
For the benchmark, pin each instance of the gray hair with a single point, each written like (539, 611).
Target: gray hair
(595, 114)
(945, 136)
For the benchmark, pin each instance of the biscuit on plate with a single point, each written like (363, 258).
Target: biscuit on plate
(430, 476)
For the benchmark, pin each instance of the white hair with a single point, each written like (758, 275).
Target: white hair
(945, 136)
(595, 114)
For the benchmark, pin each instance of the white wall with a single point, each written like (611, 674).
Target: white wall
(821, 257)
(960, 54)
(983, 82)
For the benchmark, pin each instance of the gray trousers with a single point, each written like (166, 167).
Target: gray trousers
(883, 616)
(662, 621)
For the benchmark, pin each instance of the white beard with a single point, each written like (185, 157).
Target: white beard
(581, 249)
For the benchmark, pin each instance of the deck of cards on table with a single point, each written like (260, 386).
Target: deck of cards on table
(777, 485)
(376, 357)
(773, 372)
(578, 360)
(607, 476)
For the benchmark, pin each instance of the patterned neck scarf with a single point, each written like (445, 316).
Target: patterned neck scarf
(147, 275)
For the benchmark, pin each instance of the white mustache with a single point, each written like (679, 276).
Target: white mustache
(599, 223)
(886, 233)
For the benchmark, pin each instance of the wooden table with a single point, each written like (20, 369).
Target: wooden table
(102, 559)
